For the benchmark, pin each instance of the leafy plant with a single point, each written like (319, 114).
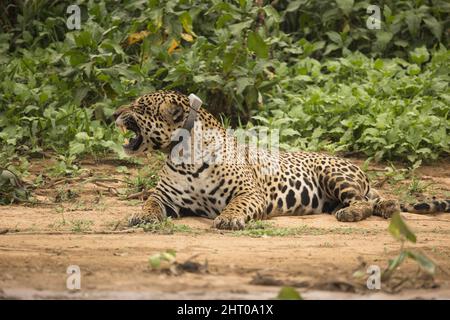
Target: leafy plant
(417, 186)
(289, 293)
(162, 260)
(379, 107)
(401, 231)
(340, 26)
(267, 229)
(11, 188)
(145, 179)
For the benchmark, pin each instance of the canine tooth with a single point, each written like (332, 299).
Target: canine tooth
(127, 141)
(123, 129)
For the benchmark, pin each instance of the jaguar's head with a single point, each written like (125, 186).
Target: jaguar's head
(152, 118)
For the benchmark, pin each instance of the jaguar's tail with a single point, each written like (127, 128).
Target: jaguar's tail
(425, 207)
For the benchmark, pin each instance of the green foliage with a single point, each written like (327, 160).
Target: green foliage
(388, 109)
(401, 231)
(11, 188)
(162, 260)
(260, 228)
(289, 293)
(340, 26)
(417, 186)
(65, 166)
(293, 65)
(60, 96)
(145, 179)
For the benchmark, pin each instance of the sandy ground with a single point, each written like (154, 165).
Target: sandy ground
(323, 258)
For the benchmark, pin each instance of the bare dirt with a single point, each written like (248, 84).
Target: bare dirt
(323, 258)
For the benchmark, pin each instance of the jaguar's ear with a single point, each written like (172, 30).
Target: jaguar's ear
(174, 111)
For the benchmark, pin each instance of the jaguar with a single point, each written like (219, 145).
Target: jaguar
(234, 183)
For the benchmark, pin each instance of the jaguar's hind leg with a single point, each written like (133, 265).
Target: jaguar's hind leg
(361, 208)
(385, 208)
(382, 207)
(347, 186)
(350, 193)
(356, 207)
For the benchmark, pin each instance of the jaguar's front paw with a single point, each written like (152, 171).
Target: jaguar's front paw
(229, 222)
(357, 211)
(143, 217)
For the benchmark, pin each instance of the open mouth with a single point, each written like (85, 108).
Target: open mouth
(135, 142)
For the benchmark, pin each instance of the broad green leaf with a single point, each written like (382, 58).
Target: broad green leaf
(289, 132)
(228, 60)
(434, 26)
(317, 133)
(289, 293)
(84, 39)
(237, 28)
(413, 22)
(420, 55)
(155, 261)
(168, 256)
(82, 136)
(413, 69)
(378, 64)
(345, 5)
(115, 147)
(383, 38)
(186, 22)
(256, 44)
(330, 48)
(243, 3)
(242, 84)
(393, 265)
(401, 43)
(424, 262)
(76, 148)
(294, 5)
(335, 37)
(260, 118)
(400, 230)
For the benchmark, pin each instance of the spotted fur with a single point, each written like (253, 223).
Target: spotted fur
(234, 193)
